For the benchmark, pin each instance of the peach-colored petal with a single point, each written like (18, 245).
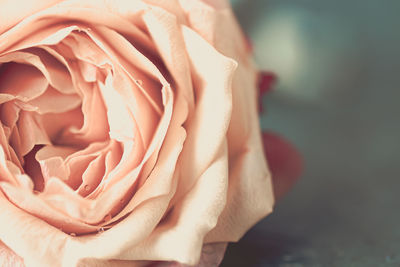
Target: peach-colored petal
(8, 150)
(4, 142)
(122, 177)
(51, 160)
(95, 126)
(133, 63)
(25, 229)
(158, 246)
(23, 232)
(166, 34)
(5, 173)
(249, 177)
(39, 24)
(31, 132)
(84, 49)
(10, 13)
(42, 206)
(158, 126)
(122, 125)
(57, 124)
(8, 258)
(9, 113)
(58, 160)
(207, 129)
(216, 23)
(92, 175)
(52, 101)
(217, 4)
(171, 6)
(33, 84)
(55, 71)
(190, 220)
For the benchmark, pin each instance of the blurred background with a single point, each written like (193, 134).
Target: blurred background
(337, 100)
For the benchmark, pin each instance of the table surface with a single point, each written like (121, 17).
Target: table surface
(338, 101)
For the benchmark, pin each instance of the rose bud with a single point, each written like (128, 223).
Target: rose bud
(129, 133)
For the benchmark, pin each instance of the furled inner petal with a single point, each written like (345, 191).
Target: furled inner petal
(9, 113)
(54, 71)
(30, 86)
(51, 161)
(95, 125)
(31, 132)
(56, 124)
(52, 101)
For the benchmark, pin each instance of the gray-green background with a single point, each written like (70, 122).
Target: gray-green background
(338, 101)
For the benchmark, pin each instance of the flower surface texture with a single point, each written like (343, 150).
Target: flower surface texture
(129, 132)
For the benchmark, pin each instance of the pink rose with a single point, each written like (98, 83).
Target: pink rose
(128, 132)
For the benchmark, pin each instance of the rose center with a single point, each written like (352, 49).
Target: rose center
(46, 122)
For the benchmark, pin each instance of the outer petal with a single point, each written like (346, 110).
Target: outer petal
(250, 195)
(11, 13)
(8, 258)
(203, 164)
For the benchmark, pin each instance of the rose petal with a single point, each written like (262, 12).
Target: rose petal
(10, 13)
(57, 124)
(5, 173)
(183, 225)
(95, 126)
(31, 133)
(52, 101)
(165, 31)
(8, 258)
(33, 84)
(207, 129)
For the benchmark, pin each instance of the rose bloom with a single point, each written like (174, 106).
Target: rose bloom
(129, 133)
